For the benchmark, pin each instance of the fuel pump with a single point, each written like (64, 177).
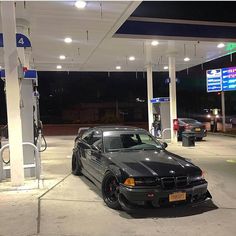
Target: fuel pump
(161, 112)
(38, 125)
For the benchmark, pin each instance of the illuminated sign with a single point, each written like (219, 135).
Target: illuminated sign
(229, 78)
(221, 79)
(214, 80)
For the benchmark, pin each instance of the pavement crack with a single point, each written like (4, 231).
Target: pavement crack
(39, 202)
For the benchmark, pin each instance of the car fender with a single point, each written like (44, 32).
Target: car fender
(116, 171)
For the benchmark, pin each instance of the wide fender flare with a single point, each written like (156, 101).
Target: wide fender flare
(116, 171)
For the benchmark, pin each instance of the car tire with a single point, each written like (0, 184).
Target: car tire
(199, 139)
(110, 191)
(76, 165)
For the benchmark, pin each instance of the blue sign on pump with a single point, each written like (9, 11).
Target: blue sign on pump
(159, 100)
(21, 41)
(214, 80)
(30, 74)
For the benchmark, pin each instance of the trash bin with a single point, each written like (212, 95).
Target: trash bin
(188, 139)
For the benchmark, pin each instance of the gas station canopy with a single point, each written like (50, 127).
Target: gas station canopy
(106, 34)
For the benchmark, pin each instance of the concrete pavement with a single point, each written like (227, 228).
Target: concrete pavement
(72, 206)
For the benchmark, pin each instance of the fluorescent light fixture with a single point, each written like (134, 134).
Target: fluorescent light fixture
(68, 40)
(118, 67)
(166, 67)
(186, 59)
(62, 57)
(131, 58)
(59, 67)
(220, 45)
(80, 4)
(154, 43)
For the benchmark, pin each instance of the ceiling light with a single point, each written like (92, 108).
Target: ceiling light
(67, 40)
(59, 67)
(220, 45)
(166, 67)
(131, 58)
(186, 59)
(118, 67)
(62, 57)
(154, 43)
(80, 4)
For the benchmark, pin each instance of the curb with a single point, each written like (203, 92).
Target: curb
(222, 134)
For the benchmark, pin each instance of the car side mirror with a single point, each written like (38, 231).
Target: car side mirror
(96, 148)
(164, 145)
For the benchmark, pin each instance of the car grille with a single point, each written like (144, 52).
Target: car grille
(174, 182)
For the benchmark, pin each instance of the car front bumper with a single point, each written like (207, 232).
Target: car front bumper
(160, 197)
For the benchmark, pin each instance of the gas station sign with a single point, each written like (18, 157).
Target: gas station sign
(214, 80)
(221, 79)
(229, 78)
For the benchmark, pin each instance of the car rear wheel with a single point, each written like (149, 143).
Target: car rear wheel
(110, 191)
(76, 165)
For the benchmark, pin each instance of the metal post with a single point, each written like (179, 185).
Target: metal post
(12, 92)
(172, 94)
(223, 110)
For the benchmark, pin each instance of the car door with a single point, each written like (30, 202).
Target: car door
(85, 150)
(95, 160)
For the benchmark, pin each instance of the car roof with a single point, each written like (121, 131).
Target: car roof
(118, 128)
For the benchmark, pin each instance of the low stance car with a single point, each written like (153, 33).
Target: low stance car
(132, 168)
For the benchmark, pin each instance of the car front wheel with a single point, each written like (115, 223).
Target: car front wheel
(110, 191)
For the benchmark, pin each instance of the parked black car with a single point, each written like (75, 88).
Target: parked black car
(132, 168)
(188, 124)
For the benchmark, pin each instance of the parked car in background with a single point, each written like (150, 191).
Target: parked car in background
(188, 124)
(132, 168)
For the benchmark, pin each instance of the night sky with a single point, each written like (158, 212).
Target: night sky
(66, 92)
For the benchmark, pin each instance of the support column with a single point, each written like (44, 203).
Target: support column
(148, 54)
(223, 110)
(12, 92)
(26, 102)
(149, 95)
(172, 94)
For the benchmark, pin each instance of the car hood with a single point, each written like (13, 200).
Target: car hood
(153, 163)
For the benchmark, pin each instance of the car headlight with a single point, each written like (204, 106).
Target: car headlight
(141, 181)
(197, 177)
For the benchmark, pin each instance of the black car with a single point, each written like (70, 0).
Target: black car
(132, 168)
(191, 125)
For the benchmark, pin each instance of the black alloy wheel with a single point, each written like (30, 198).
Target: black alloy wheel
(76, 165)
(110, 191)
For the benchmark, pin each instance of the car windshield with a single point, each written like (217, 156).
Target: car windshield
(129, 141)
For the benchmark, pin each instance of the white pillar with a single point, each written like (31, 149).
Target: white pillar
(12, 92)
(223, 110)
(149, 95)
(27, 101)
(172, 94)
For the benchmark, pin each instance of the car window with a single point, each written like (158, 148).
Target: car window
(118, 140)
(189, 121)
(93, 137)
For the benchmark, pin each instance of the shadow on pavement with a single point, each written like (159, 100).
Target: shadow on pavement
(170, 212)
(162, 212)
